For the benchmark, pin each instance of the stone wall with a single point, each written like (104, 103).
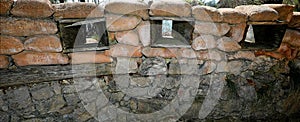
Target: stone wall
(215, 78)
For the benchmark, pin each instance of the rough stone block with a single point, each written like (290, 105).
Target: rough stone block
(89, 57)
(78, 10)
(206, 13)
(153, 66)
(292, 37)
(10, 45)
(237, 32)
(122, 50)
(217, 29)
(144, 33)
(131, 7)
(258, 13)
(186, 69)
(43, 44)
(121, 23)
(126, 65)
(295, 21)
(128, 37)
(232, 16)
(42, 93)
(285, 11)
(19, 98)
(26, 27)
(37, 58)
(185, 53)
(243, 55)
(207, 68)
(211, 55)
(228, 45)
(33, 8)
(5, 6)
(159, 52)
(4, 62)
(204, 42)
(170, 8)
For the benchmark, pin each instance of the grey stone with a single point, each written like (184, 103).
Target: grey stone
(208, 68)
(82, 84)
(14, 118)
(68, 89)
(57, 103)
(81, 114)
(43, 93)
(72, 99)
(88, 96)
(126, 65)
(56, 87)
(117, 96)
(19, 98)
(235, 67)
(144, 33)
(153, 66)
(4, 117)
(187, 69)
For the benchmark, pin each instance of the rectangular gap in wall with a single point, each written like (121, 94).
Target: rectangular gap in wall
(171, 32)
(264, 36)
(83, 35)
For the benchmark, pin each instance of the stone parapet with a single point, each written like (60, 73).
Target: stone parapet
(40, 65)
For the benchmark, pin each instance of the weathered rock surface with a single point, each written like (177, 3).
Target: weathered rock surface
(232, 16)
(43, 44)
(258, 13)
(206, 13)
(295, 21)
(237, 32)
(249, 55)
(217, 29)
(10, 45)
(121, 23)
(285, 11)
(185, 53)
(170, 8)
(89, 57)
(37, 58)
(4, 62)
(144, 33)
(126, 65)
(204, 42)
(153, 66)
(228, 45)
(78, 10)
(33, 8)
(292, 37)
(128, 37)
(122, 50)
(132, 7)
(159, 52)
(5, 6)
(26, 27)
